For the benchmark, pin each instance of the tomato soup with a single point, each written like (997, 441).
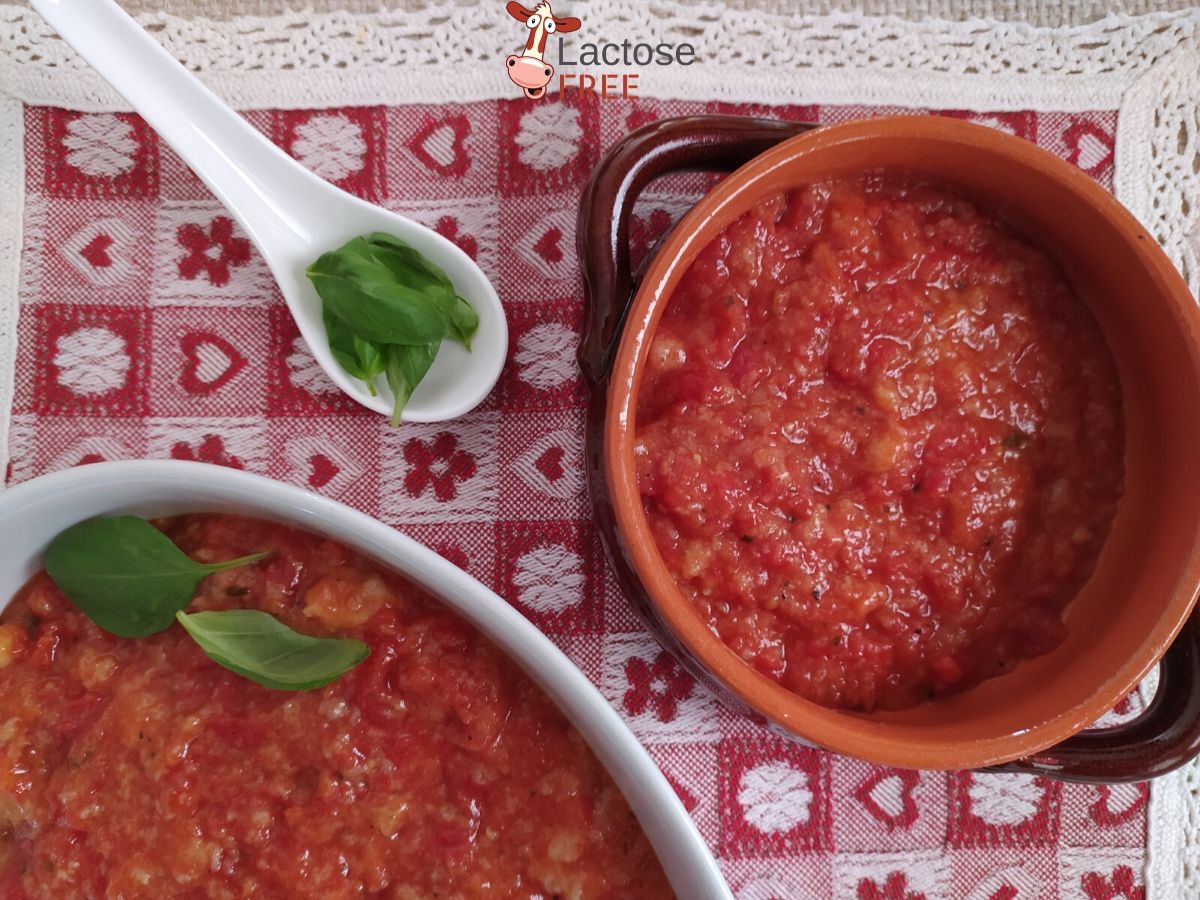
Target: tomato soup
(879, 442)
(139, 768)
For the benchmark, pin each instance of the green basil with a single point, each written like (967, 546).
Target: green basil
(407, 264)
(405, 366)
(414, 270)
(126, 575)
(258, 646)
(364, 293)
(341, 344)
(370, 359)
(465, 321)
(387, 309)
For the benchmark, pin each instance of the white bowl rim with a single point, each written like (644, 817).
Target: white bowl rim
(33, 512)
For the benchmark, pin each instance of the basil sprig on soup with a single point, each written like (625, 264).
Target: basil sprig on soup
(387, 310)
(131, 580)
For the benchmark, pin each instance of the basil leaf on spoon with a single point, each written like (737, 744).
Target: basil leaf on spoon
(405, 366)
(258, 646)
(387, 309)
(126, 575)
(373, 301)
(362, 359)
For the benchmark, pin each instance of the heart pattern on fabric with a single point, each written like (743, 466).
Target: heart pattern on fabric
(305, 372)
(441, 145)
(323, 470)
(100, 251)
(549, 245)
(1010, 883)
(1116, 804)
(449, 228)
(545, 248)
(98, 448)
(210, 362)
(551, 465)
(888, 797)
(96, 252)
(1091, 147)
(318, 463)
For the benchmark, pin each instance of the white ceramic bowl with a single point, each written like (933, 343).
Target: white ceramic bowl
(31, 514)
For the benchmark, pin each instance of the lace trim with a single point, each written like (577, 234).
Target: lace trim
(838, 58)
(1147, 67)
(1173, 851)
(12, 184)
(1158, 156)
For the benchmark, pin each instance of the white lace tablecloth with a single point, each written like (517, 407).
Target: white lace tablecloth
(1145, 70)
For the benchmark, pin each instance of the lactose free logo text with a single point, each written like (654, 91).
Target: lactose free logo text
(532, 71)
(627, 53)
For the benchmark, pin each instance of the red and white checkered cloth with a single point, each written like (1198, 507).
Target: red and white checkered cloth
(150, 327)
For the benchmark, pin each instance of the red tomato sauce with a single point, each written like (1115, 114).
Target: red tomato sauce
(879, 442)
(139, 768)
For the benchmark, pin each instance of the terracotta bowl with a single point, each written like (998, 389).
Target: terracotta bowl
(1138, 601)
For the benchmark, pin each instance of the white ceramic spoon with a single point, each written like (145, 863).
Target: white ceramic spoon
(291, 215)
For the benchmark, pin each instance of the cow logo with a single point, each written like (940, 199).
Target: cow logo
(529, 70)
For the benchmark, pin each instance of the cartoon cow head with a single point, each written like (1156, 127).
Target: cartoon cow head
(529, 70)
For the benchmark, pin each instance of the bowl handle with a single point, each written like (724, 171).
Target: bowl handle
(1164, 737)
(686, 143)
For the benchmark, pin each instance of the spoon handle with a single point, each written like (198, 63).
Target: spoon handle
(273, 197)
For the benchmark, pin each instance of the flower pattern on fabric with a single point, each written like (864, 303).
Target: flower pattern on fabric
(211, 450)
(1121, 885)
(438, 464)
(894, 887)
(661, 686)
(213, 251)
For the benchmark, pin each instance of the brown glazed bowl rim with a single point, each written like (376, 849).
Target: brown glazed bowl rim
(856, 734)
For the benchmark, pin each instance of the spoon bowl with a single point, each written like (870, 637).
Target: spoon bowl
(459, 378)
(290, 214)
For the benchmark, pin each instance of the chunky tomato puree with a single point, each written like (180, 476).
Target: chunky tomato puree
(879, 442)
(139, 768)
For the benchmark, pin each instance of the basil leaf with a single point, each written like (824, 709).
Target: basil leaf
(387, 308)
(464, 321)
(405, 261)
(364, 293)
(126, 575)
(258, 646)
(409, 265)
(370, 360)
(406, 366)
(361, 358)
(341, 344)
